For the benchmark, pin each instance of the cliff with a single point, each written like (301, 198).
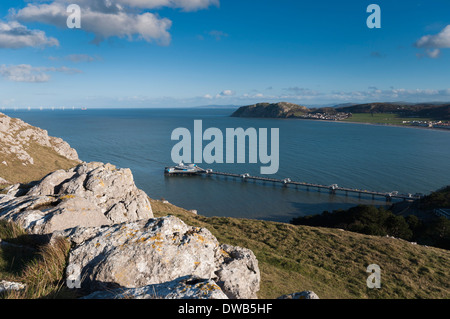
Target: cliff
(28, 153)
(271, 110)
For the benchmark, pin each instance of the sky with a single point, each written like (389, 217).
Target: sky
(182, 53)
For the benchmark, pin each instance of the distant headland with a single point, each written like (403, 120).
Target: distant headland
(432, 115)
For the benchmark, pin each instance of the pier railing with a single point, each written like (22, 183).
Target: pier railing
(334, 188)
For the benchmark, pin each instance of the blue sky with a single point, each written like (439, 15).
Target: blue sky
(177, 53)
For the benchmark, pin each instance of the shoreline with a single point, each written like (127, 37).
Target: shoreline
(378, 124)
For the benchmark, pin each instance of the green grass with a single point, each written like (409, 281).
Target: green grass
(382, 118)
(27, 260)
(46, 160)
(330, 262)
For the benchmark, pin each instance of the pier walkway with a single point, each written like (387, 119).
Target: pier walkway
(334, 188)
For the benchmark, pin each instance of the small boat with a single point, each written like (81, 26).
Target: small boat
(183, 168)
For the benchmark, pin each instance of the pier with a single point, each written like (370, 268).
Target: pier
(334, 188)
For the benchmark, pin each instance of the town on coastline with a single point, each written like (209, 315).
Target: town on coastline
(427, 115)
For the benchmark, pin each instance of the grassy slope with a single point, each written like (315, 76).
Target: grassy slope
(330, 262)
(382, 118)
(39, 266)
(291, 258)
(46, 161)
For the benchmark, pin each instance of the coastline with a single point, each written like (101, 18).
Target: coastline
(377, 124)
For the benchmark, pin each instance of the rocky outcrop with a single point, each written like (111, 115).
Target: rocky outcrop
(238, 263)
(116, 242)
(270, 110)
(16, 135)
(91, 194)
(157, 251)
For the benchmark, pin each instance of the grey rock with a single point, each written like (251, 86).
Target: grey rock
(46, 214)
(187, 287)
(300, 295)
(89, 195)
(238, 273)
(6, 286)
(141, 253)
(156, 251)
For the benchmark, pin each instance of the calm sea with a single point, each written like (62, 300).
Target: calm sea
(380, 158)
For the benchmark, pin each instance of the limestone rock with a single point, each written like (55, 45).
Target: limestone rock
(187, 287)
(238, 263)
(300, 295)
(91, 194)
(111, 189)
(156, 251)
(46, 214)
(141, 253)
(6, 286)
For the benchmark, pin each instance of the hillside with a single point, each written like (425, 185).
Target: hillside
(271, 110)
(425, 110)
(430, 230)
(330, 262)
(27, 153)
(437, 112)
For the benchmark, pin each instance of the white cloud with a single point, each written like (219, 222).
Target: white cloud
(14, 35)
(226, 93)
(434, 43)
(433, 53)
(101, 22)
(28, 73)
(110, 18)
(440, 40)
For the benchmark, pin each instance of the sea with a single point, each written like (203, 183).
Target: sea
(368, 157)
